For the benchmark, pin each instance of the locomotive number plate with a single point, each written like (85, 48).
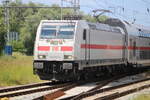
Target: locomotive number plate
(67, 65)
(38, 65)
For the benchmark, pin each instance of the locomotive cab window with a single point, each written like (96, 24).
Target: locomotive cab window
(84, 34)
(48, 32)
(66, 32)
(57, 32)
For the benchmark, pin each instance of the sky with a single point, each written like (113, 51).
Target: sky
(133, 9)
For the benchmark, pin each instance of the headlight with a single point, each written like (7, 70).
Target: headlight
(68, 57)
(41, 56)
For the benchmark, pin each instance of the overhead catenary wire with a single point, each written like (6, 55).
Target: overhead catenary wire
(145, 1)
(120, 11)
(33, 7)
(112, 8)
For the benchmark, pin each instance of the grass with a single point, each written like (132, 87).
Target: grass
(143, 97)
(16, 70)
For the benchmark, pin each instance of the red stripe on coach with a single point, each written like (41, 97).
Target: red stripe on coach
(44, 48)
(138, 48)
(66, 48)
(132, 48)
(144, 48)
(112, 47)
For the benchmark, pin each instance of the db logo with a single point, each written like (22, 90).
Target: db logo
(55, 48)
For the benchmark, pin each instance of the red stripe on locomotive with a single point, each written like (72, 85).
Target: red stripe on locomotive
(95, 46)
(66, 48)
(44, 48)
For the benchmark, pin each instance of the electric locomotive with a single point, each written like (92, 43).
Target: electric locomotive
(71, 49)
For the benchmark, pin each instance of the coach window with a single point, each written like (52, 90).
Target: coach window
(84, 34)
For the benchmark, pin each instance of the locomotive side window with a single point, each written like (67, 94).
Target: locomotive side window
(84, 34)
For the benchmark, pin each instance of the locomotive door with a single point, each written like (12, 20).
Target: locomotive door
(133, 50)
(86, 38)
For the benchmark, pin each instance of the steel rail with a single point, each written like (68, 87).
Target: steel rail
(99, 85)
(61, 91)
(110, 88)
(126, 92)
(14, 88)
(98, 89)
(18, 93)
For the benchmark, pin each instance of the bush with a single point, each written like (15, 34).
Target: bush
(18, 46)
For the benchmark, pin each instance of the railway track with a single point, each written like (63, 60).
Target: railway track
(98, 89)
(99, 84)
(14, 88)
(122, 90)
(112, 92)
(61, 92)
(40, 87)
(31, 88)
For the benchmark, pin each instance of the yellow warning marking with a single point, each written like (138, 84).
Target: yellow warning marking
(4, 98)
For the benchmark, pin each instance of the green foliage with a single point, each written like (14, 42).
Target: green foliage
(2, 32)
(93, 19)
(18, 46)
(89, 18)
(28, 31)
(103, 18)
(2, 42)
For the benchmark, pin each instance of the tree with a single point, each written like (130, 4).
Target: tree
(90, 18)
(2, 32)
(28, 31)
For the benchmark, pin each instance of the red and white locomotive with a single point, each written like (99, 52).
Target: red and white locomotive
(70, 49)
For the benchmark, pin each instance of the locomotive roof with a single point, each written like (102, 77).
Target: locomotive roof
(111, 24)
(104, 27)
(123, 23)
(57, 21)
